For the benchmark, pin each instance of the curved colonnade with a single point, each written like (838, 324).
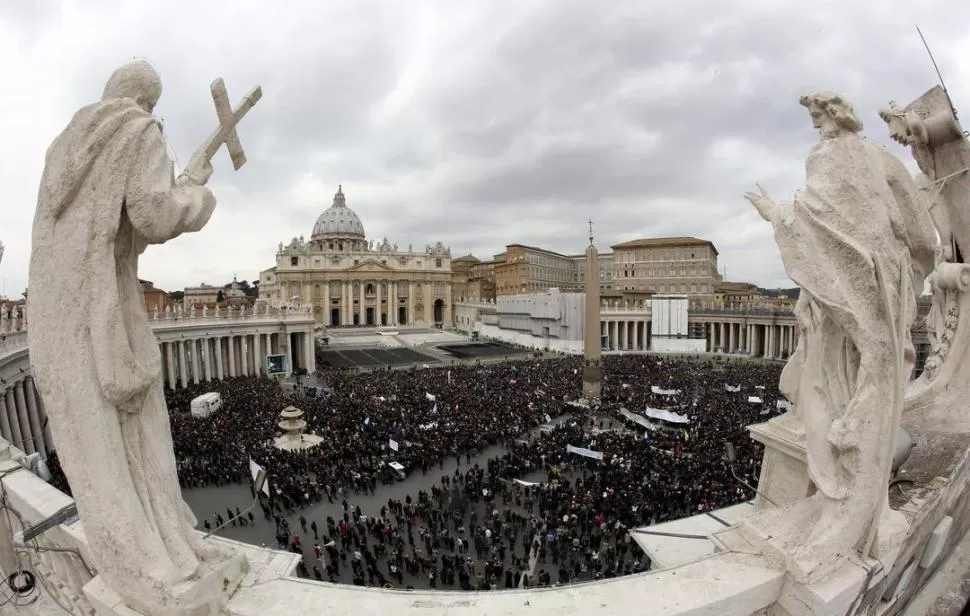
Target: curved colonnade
(195, 346)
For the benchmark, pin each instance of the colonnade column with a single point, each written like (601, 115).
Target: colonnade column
(33, 415)
(183, 374)
(217, 351)
(197, 376)
(311, 356)
(230, 340)
(27, 445)
(4, 419)
(258, 356)
(18, 435)
(170, 364)
(207, 359)
(244, 353)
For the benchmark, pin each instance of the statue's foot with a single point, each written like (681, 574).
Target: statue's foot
(210, 552)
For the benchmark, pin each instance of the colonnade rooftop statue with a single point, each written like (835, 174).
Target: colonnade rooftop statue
(107, 192)
(859, 241)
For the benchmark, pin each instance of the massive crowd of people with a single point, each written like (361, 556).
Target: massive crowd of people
(532, 511)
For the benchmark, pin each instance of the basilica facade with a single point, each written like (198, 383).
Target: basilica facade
(349, 280)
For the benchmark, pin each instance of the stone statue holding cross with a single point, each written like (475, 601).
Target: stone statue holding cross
(107, 192)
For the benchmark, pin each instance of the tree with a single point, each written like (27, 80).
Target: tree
(176, 296)
(220, 297)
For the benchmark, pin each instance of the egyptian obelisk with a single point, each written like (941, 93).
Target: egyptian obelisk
(592, 345)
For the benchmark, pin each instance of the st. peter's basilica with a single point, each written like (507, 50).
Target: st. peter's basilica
(349, 280)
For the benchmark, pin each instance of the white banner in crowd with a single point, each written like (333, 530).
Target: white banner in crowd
(665, 415)
(254, 470)
(783, 405)
(754, 400)
(525, 483)
(637, 419)
(664, 392)
(547, 418)
(392, 444)
(430, 397)
(732, 388)
(580, 451)
(449, 377)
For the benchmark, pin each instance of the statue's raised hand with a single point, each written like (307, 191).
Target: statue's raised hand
(765, 205)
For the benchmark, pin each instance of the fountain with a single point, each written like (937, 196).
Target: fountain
(293, 425)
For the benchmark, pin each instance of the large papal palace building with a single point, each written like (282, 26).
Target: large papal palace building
(347, 279)
(634, 270)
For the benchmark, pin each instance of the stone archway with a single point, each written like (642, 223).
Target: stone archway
(335, 317)
(439, 311)
(402, 315)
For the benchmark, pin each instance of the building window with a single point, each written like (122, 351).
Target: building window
(294, 261)
(356, 261)
(437, 262)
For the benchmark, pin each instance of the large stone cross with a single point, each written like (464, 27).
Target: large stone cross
(226, 131)
(228, 119)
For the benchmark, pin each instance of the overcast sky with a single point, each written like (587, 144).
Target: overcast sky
(474, 123)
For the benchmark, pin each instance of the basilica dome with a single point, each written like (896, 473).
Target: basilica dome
(338, 221)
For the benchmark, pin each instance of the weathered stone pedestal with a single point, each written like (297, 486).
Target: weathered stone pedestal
(784, 468)
(205, 595)
(592, 381)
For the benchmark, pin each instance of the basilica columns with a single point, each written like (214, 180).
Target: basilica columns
(346, 304)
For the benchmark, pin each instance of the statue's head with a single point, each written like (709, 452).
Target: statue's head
(831, 114)
(136, 80)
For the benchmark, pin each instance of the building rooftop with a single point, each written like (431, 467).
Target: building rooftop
(660, 242)
(537, 249)
(736, 286)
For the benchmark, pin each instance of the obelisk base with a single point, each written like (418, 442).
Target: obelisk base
(592, 381)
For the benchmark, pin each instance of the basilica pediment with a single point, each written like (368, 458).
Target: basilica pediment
(370, 265)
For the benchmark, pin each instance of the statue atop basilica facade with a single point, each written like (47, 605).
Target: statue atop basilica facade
(107, 192)
(859, 242)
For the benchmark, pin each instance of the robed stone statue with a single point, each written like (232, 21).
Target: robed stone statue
(859, 242)
(107, 192)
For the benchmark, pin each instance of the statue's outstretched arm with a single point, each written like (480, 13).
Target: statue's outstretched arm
(157, 206)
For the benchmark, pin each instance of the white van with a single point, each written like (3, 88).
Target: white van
(206, 404)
